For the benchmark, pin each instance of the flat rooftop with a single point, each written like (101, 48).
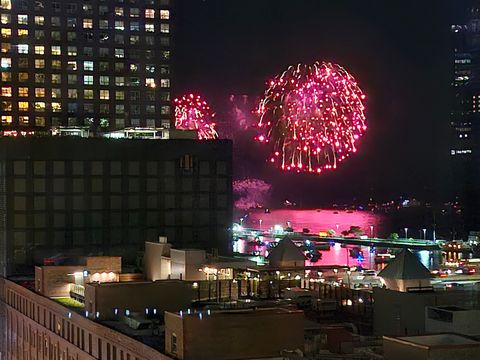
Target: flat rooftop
(437, 340)
(237, 312)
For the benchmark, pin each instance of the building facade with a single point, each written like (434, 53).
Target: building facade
(62, 196)
(99, 64)
(465, 114)
(36, 327)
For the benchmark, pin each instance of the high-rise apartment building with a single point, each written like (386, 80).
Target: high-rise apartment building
(465, 115)
(101, 64)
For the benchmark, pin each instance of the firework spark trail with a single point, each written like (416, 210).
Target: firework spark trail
(193, 113)
(312, 117)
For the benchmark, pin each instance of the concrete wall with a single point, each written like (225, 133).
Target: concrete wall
(163, 295)
(234, 335)
(185, 264)
(54, 281)
(466, 322)
(156, 262)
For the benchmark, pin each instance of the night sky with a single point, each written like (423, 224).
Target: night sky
(399, 51)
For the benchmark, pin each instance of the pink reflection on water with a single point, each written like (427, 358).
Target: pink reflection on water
(317, 220)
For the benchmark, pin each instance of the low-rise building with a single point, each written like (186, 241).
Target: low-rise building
(233, 334)
(430, 347)
(452, 319)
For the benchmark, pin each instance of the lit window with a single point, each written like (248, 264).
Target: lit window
(6, 63)
(134, 26)
(119, 53)
(6, 47)
(149, 13)
(7, 91)
(5, 19)
(166, 55)
(6, 76)
(22, 49)
(39, 92)
(39, 106)
(134, 12)
(22, 77)
(88, 65)
(23, 105)
(39, 78)
(39, 50)
(56, 93)
(39, 121)
(88, 94)
(6, 119)
(104, 95)
(165, 110)
(118, 11)
(103, 24)
(39, 64)
(23, 120)
(56, 64)
(164, 14)
(56, 50)
(56, 107)
(72, 93)
(88, 80)
(6, 4)
(119, 81)
(149, 27)
(39, 20)
(23, 91)
(6, 106)
(6, 33)
(104, 80)
(87, 23)
(56, 78)
(72, 51)
(165, 83)
(150, 82)
(72, 65)
(22, 19)
(119, 95)
(56, 21)
(22, 32)
(165, 28)
(119, 25)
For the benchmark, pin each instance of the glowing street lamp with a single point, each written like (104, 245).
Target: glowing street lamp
(371, 231)
(424, 234)
(337, 226)
(260, 222)
(406, 233)
(241, 221)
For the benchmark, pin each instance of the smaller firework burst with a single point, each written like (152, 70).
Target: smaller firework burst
(193, 113)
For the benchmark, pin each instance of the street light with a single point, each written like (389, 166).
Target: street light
(371, 231)
(260, 222)
(337, 226)
(424, 234)
(406, 233)
(241, 221)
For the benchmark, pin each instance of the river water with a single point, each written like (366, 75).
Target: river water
(372, 224)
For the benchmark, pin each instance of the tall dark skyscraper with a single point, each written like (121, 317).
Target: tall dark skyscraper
(102, 64)
(465, 115)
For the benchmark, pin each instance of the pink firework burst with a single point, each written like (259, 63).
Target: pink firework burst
(311, 117)
(193, 113)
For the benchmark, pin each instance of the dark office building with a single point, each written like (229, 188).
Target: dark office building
(465, 115)
(69, 196)
(100, 64)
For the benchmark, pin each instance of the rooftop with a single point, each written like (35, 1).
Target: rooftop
(437, 340)
(405, 266)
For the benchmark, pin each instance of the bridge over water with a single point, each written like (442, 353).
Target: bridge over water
(414, 244)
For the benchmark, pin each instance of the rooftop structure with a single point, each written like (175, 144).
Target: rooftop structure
(406, 273)
(430, 347)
